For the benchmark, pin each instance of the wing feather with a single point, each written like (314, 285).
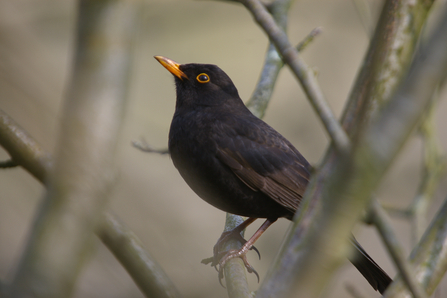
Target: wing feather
(265, 170)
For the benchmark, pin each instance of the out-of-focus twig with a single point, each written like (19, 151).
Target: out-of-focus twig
(23, 149)
(434, 168)
(364, 12)
(386, 62)
(428, 259)
(273, 63)
(128, 250)
(381, 221)
(8, 164)
(82, 176)
(100, 85)
(145, 147)
(134, 257)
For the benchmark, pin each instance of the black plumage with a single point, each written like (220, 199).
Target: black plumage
(235, 161)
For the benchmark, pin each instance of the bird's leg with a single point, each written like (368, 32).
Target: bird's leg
(232, 234)
(241, 253)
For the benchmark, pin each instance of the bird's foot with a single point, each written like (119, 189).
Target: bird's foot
(219, 253)
(221, 257)
(231, 254)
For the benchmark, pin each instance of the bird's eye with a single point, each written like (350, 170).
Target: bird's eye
(203, 78)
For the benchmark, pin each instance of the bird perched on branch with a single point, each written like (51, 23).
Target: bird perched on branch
(237, 162)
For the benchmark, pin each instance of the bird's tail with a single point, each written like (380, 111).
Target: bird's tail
(375, 275)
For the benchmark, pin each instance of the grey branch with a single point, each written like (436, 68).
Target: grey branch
(303, 73)
(313, 249)
(429, 258)
(381, 221)
(82, 174)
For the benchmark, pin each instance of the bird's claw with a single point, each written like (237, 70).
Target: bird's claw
(226, 236)
(220, 258)
(231, 255)
(257, 251)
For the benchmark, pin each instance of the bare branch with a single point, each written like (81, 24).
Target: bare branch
(381, 221)
(63, 230)
(130, 252)
(313, 250)
(387, 60)
(303, 73)
(429, 258)
(22, 148)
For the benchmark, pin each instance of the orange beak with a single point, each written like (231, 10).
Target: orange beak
(172, 66)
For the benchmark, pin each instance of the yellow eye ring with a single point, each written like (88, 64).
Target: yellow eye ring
(203, 78)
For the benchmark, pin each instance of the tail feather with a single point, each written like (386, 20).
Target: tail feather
(372, 272)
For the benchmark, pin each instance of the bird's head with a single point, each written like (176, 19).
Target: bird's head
(200, 84)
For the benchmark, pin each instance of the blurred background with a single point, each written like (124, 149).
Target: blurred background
(178, 228)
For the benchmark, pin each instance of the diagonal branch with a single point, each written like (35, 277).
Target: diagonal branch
(303, 73)
(313, 250)
(81, 178)
(120, 241)
(381, 221)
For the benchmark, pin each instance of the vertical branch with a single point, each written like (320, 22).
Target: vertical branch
(82, 176)
(434, 165)
(315, 246)
(272, 63)
(235, 274)
(387, 60)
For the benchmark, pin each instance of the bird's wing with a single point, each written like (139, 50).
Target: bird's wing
(265, 161)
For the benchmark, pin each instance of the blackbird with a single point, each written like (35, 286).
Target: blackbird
(238, 163)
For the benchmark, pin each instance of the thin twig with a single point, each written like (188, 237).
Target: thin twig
(6, 164)
(23, 149)
(429, 258)
(353, 291)
(364, 12)
(381, 221)
(308, 39)
(434, 167)
(145, 147)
